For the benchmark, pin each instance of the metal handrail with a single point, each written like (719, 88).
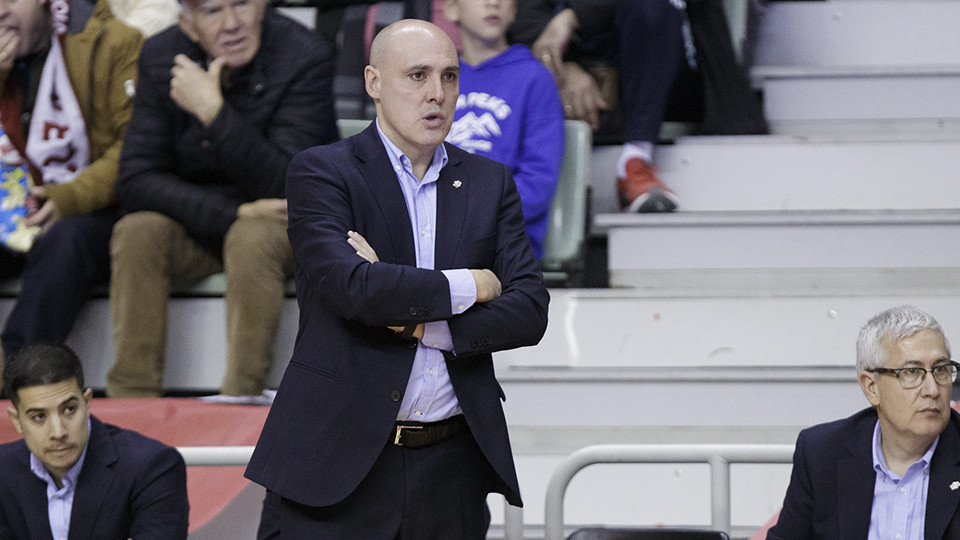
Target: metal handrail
(215, 456)
(229, 456)
(718, 456)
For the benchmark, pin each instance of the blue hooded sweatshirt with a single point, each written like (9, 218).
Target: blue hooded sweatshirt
(509, 110)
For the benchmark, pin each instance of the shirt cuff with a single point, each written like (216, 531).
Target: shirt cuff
(436, 335)
(463, 289)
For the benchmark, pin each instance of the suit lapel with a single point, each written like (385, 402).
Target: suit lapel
(453, 190)
(856, 479)
(94, 482)
(942, 500)
(376, 170)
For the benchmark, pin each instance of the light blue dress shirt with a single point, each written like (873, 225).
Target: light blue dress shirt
(899, 504)
(429, 396)
(60, 500)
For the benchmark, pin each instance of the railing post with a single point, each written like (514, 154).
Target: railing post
(720, 493)
(512, 522)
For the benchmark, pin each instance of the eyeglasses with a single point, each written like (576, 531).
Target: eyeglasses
(912, 377)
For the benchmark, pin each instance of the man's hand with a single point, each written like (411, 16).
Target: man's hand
(46, 215)
(488, 285)
(364, 249)
(268, 208)
(582, 99)
(9, 44)
(197, 91)
(552, 44)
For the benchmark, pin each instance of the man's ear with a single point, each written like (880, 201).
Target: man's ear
(87, 396)
(868, 383)
(187, 24)
(371, 79)
(15, 418)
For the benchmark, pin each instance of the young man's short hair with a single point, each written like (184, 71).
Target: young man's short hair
(38, 365)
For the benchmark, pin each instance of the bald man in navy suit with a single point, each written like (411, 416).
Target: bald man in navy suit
(412, 267)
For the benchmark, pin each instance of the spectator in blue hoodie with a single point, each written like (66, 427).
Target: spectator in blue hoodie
(509, 108)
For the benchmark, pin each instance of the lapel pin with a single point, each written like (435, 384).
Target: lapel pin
(457, 184)
(955, 485)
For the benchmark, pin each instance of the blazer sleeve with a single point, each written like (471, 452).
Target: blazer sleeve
(518, 317)
(159, 506)
(797, 512)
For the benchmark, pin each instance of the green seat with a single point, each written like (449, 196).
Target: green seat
(564, 246)
(349, 127)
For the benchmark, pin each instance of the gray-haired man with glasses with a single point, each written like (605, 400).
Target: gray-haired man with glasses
(893, 469)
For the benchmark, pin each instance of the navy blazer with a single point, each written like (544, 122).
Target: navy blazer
(130, 486)
(831, 488)
(340, 395)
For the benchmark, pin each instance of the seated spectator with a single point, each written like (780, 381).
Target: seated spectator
(889, 471)
(74, 196)
(509, 107)
(628, 64)
(72, 476)
(224, 101)
(649, 40)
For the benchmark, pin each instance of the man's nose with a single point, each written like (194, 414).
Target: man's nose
(230, 18)
(929, 386)
(58, 427)
(435, 90)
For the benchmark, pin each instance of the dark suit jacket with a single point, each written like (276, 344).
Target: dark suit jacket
(129, 486)
(341, 392)
(831, 488)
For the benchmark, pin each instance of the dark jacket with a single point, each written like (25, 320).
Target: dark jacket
(130, 486)
(830, 496)
(340, 395)
(275, 106)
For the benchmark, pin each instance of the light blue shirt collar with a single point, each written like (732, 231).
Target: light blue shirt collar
(400, 161)
(60, 500)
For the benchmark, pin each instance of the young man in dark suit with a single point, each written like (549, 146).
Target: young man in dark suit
(412, 267)
(72, 476)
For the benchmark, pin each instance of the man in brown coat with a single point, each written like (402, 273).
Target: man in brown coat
(75, 215)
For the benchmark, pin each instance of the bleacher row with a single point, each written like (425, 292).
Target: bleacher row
(733, 320)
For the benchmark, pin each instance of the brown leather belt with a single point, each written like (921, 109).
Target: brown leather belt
(422, 434)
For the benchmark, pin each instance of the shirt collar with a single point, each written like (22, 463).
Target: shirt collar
(398, 159)
(880, 463)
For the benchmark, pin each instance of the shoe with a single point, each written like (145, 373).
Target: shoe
(641, 190)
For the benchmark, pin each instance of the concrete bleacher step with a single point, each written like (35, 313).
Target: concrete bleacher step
(854, 65)
(785, 253)
(791, 215)
(783, 173)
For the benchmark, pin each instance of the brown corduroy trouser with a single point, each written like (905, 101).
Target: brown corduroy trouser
(148, 250)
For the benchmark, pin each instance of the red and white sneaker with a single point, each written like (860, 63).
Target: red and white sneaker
(642, 191)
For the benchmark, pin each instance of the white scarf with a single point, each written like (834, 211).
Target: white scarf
(57, 142)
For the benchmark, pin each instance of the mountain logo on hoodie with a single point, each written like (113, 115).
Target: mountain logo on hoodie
(474, 133)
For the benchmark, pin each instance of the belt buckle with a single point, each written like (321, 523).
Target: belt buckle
(396, 440)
